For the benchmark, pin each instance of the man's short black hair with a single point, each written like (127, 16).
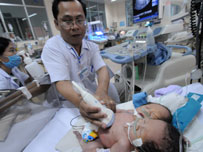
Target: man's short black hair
(170, 142)
(55, 4)
(4, 43)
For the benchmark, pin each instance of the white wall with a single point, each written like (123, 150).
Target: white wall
(115, 12)
(48, 5)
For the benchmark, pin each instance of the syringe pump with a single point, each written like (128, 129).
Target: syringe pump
(91, 100)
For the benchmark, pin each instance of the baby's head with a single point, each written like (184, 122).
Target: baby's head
(155, 111)
(156, 136)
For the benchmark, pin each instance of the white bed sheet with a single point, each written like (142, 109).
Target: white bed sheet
(51, 134)
(22, 133)
(57, 128)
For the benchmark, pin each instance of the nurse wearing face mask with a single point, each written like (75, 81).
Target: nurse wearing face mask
(9, 62)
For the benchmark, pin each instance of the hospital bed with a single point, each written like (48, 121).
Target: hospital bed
(49, 130)
(22, 133)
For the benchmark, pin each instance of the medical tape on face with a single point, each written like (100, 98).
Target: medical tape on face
(137, 142)
(25, 91)
(37, 83)
(137, 114)
(129, 125)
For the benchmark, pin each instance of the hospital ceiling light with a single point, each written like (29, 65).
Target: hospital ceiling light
(34, 14)
(113, 0)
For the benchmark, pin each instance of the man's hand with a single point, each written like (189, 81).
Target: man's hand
(106, 100)
(92, 114)
(102, 89)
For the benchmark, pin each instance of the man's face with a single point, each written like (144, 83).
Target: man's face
(71, 22)
(153, 111)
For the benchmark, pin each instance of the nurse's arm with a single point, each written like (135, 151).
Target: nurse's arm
(102, 89)
(16, 96)
(35, 91)
(89, 112)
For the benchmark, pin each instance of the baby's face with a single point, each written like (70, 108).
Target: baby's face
(153, 111)
(148, 130)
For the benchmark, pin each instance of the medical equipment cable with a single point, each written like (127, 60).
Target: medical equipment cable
(186, 84)
(144, 72)
(133, 74)
(129, 86)
(126, 86)
(197, 140)
(74, 126)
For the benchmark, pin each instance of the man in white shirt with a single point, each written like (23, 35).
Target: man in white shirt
(68, 57)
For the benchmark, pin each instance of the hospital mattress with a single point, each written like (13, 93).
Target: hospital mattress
(57, 135)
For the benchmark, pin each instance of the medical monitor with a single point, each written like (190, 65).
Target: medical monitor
(144, 10)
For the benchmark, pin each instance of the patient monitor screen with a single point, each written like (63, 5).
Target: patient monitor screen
(145, 10)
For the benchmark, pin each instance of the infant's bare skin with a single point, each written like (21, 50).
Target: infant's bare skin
(117, 132)
(116, 137)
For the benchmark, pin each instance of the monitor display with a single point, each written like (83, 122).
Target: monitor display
(145, 10)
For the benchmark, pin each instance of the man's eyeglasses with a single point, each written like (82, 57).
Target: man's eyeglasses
(70, 23)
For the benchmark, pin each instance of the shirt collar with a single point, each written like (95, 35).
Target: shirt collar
(84, 44)
(4, 73)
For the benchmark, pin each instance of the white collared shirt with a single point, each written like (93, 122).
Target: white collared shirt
(63, 63)
(7, 81)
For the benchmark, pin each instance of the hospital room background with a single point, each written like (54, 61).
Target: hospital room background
(153, 48)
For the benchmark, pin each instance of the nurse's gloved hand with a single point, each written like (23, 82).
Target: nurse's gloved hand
(92, 114)
(106, 100)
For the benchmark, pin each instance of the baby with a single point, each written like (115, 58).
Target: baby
(145, 131)
(153, 111)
